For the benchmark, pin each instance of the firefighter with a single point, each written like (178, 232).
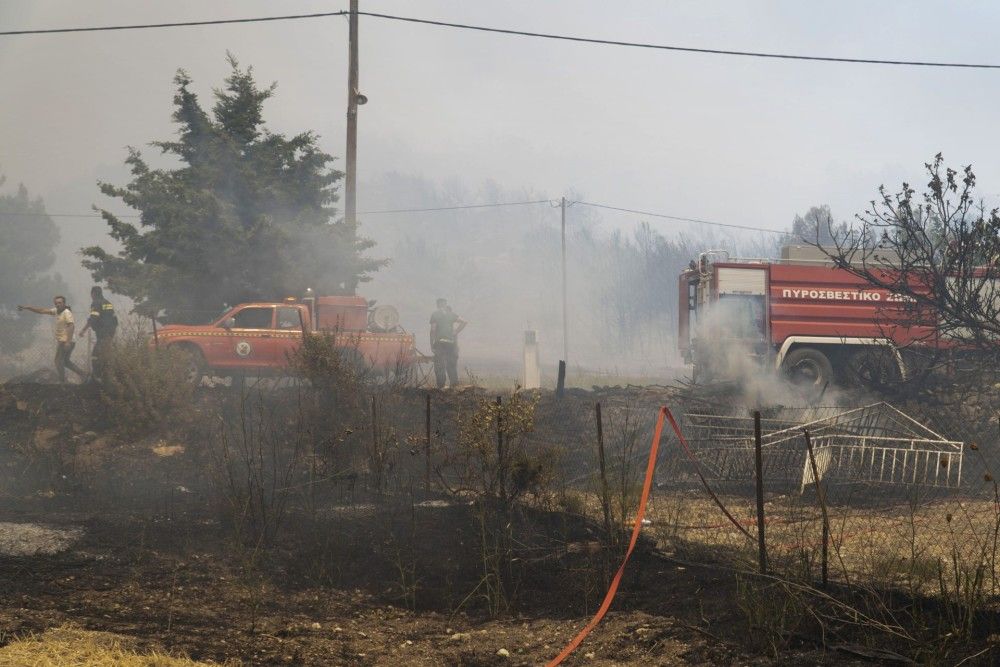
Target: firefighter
(64, 326)
(445, 327)
(104, 323)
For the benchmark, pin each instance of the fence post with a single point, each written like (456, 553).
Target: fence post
(821, 496)
(759, 466)
(605, 500)
(427, 423)
(377, 453)
(501, 469)
(561, 380)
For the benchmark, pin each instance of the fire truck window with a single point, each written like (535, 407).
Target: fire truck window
(254, 318)
(288, 318)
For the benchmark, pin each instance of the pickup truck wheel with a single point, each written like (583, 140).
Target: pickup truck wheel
(808, 368)
(194, 365)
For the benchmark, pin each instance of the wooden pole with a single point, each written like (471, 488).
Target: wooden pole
(351, 157)
(427, 425)
(565, 323)
(821, 496)
(759, 467)
(561, 379)
(156, 335)
(605, 500)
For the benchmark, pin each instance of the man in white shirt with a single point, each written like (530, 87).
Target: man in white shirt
(64, 327)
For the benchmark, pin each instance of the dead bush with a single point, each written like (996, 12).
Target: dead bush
(493, 466)
(336, 371)
(144, 386)
(262, 460)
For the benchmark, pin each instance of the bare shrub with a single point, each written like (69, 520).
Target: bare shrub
(144, 386)
(337, 371)
(261, 460)
(494, 467)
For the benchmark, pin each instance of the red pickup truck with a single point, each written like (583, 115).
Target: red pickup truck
(258, 338)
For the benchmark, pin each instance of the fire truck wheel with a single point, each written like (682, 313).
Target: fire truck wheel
(194, 361)
(808, 368)
(873, 367)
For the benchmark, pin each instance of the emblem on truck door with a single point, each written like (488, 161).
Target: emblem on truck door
(243, 349)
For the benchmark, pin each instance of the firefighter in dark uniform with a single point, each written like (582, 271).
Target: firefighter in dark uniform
(104, 323)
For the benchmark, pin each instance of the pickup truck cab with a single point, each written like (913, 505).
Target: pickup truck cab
(258, 338)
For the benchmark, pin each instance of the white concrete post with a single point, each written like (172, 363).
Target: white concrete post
(532, 377)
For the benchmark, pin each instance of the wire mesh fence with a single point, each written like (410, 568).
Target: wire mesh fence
(36, 362)
(898, 498)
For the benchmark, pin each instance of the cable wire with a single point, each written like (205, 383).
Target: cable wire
(463, 207)
(177, 24)
(520, 33)
(682, 219)
(686, 49)
(456, 208)
(373, 212)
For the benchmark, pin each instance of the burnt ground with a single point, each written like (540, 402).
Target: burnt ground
(153, 561)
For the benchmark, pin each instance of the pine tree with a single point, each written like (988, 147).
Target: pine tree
(248, 214)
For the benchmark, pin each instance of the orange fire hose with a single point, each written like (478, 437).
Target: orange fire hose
(636, 529)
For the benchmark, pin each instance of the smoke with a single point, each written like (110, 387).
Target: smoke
(730, 343)
(500, 269)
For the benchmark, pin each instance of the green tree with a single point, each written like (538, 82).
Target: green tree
(248, 214)
(28, 239)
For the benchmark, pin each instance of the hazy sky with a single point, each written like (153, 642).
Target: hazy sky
(746, 141)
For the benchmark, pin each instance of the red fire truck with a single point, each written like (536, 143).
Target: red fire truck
(815, 322)
(257, 338)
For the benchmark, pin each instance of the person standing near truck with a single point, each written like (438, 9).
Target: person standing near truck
(104, 323)
(64, 335)
(445, 327)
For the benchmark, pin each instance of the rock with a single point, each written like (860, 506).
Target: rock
(460, 636)
(503, 653)
(316, 626)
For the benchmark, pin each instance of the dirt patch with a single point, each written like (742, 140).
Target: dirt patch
(178, 589)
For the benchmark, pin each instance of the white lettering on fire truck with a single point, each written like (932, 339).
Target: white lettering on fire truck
(832, 295)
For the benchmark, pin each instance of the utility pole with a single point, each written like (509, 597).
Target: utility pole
(351, 172)
(565, 323)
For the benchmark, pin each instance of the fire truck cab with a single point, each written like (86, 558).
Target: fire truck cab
(802, 315)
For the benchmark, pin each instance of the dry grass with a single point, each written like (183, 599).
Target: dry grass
(71, 647)
(888, 545)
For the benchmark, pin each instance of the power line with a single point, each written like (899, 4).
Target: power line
(373, 212)
(681, 219)
(456, 208)
(520, 33)
(178, 24)
(685, 49)
(463, 207)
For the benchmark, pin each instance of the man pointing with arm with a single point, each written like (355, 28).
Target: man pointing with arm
(64, 335)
